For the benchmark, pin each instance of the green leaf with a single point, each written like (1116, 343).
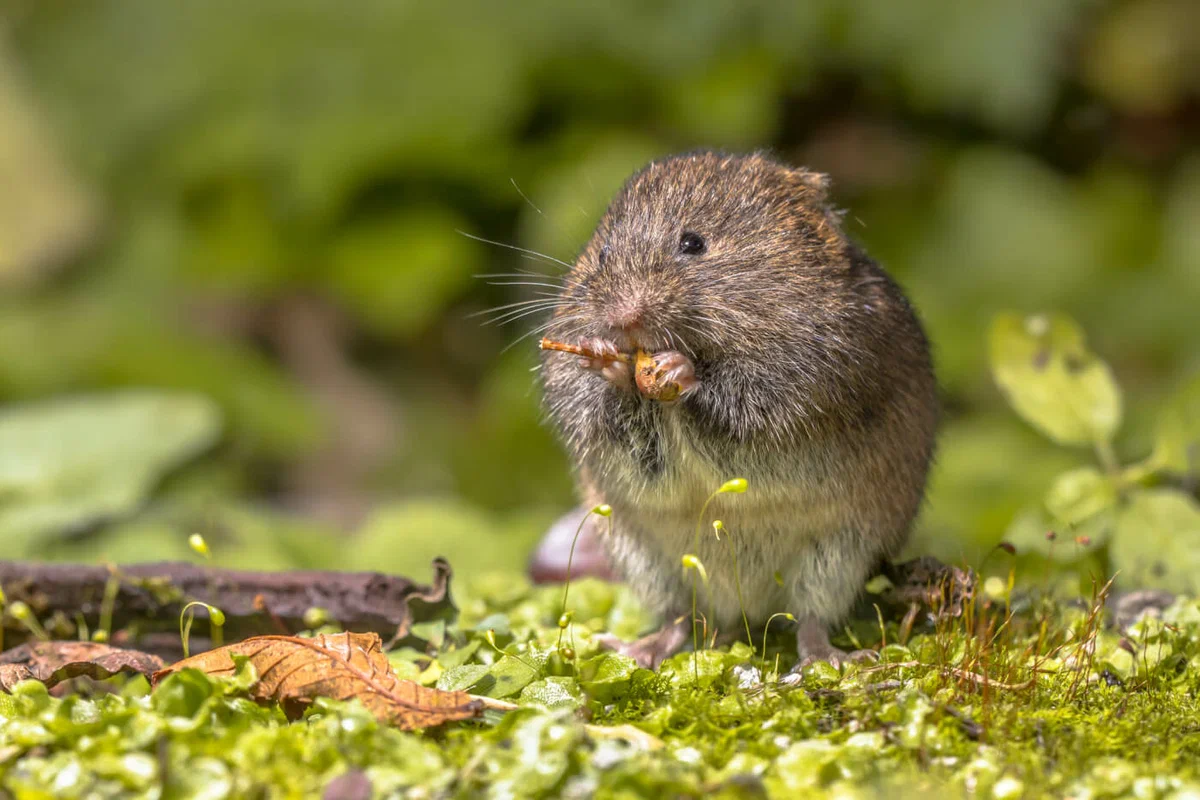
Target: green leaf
(683, 669)
(1156, 543)
(606, 676)
(511, 675)
(1079, 495)
(457, 657)
(74, 462)
(1042, 365)
(460, 679)
(1177, 438)
(552, 693)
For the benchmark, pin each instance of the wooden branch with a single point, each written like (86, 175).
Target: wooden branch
(150, 597)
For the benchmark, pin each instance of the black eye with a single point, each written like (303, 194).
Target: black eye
(691, 244)
(604, 255)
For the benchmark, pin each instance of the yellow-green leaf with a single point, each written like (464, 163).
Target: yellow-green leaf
(1177, 438)
(1042, 365)
(1080, 494)
(1156, 543)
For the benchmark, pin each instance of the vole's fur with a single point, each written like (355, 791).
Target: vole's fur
(813, 381)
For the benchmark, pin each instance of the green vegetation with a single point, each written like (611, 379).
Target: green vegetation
(235, 304)
(1042, 701)
(258, 204)
(1141, 520)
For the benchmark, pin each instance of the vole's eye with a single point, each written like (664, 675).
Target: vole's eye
(691, 244)
(604, 255)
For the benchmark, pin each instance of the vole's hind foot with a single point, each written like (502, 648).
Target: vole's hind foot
(652, 649)
(812, 645)
(835, 656)
(838, 657)
(618, 373)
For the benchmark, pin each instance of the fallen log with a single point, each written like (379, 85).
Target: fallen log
(148, 599)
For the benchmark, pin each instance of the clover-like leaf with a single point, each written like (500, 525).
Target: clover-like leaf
(1042, 365)
(1080, 494)
(1177, 437)
(1156, 543)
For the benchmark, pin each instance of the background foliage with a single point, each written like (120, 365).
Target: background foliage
(256, 207)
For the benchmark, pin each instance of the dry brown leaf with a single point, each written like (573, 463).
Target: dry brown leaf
(54, 662)
(292, 671)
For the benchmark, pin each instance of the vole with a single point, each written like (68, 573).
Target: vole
(801, 366)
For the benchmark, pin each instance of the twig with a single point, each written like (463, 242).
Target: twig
(578, 350)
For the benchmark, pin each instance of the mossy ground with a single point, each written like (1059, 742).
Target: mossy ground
(1040, 700)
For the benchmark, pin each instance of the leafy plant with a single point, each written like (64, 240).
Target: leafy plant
(71, 463)
(1143, 517)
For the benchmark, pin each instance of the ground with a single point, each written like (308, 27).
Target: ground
(1015, 695)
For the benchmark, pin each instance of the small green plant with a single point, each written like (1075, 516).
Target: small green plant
(718, 527)
(564, 616)
(692, 560)
(197, 543)
(1142, 518)
(490, 637)
(315, 617)
(24, 615)
(111, 588)
(215, 616)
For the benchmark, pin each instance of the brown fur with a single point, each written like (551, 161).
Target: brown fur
(814, 383)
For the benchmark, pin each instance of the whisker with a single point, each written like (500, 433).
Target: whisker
(517, 304)
(513, 181)
(539, 259)
(525, 283)
(515, 317)
(513, 247)
(521, 273)
(516, 314)
(533, 332)
(682, 341)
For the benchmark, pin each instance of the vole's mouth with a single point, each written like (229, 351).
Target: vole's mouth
(630, 340)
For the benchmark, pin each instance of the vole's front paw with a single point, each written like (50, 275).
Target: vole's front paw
(606, 363)
(666, 376)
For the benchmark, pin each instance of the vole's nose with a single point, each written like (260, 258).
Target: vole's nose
(625, 315)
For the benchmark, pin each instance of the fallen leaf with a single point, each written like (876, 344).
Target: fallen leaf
(55, 662)
(292, 671)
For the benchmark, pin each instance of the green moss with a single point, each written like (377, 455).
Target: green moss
(1044, 701)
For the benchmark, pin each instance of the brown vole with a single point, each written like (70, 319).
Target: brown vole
(803, 370)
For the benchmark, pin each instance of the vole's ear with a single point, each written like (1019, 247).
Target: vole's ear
(814, 186)
(813, 191)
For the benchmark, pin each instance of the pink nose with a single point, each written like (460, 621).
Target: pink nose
(626, 317)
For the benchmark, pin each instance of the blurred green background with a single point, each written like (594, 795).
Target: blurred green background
(234, 298)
